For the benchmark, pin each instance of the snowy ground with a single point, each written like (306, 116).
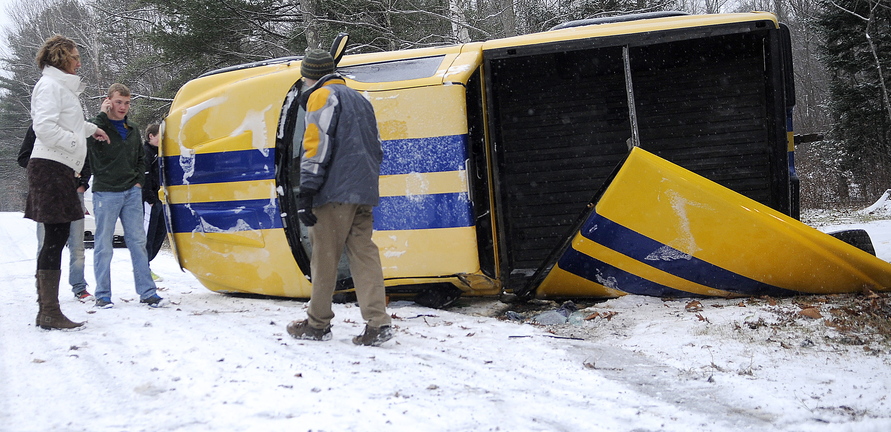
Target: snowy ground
(218, 362)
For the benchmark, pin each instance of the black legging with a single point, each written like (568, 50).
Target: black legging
(54, 239)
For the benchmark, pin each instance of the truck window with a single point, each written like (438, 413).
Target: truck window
(398, 70)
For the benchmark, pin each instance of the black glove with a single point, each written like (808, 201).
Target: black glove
(304, 207)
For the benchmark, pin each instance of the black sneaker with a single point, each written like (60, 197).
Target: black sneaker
(302, 330)
(374, 336)
(104, 303)
(154, 301)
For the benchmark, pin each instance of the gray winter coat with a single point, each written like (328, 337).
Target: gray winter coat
(342, 151)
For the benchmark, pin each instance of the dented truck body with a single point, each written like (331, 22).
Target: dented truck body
(495, 153)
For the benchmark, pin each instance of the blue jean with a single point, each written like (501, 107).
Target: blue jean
(75, 251)
(108, 207)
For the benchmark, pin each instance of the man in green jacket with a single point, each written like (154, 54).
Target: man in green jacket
(118, 176)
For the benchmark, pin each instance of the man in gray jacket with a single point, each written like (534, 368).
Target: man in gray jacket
(339, 172)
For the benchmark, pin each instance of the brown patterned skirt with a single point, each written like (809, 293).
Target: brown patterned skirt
(52, 193)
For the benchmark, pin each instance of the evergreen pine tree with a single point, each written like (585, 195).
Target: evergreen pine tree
(857, 53)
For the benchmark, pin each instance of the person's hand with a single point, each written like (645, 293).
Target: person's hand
(100, 135)
(304, 208)
(106, 106)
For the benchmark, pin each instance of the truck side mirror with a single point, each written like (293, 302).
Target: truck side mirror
(338, 47)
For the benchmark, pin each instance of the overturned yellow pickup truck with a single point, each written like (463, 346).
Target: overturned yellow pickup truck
(640, 154)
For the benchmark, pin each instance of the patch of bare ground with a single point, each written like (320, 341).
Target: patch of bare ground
(862, 319)
(834, 321)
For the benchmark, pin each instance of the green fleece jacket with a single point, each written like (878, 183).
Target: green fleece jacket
(117, 165)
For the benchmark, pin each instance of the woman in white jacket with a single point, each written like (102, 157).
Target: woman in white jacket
(58, 156)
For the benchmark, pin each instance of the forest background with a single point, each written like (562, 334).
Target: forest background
(841, 55)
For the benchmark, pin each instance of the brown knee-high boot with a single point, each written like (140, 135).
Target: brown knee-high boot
(50, 316)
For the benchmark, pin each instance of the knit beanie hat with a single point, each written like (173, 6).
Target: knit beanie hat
(316, 64)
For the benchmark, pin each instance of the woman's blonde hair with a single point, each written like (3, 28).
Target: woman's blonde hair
(56, 52)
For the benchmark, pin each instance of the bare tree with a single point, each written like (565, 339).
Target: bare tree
(507, 17)
(33, 23)
(705, 6)
(459, 22)
(312, 32)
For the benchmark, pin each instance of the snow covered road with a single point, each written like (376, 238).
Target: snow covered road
(220, 362)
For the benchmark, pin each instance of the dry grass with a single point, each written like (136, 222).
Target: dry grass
(862, 319)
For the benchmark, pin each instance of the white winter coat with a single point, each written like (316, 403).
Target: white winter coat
(59, 119)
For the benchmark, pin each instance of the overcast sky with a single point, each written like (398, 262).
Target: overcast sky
(4, 25)
(4, 4)
(4, 21)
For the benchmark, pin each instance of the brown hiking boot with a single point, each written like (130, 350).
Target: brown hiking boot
(49, 315)
(374, 336)
(302, 330)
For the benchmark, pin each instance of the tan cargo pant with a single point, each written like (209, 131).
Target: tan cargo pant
(346, 227)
